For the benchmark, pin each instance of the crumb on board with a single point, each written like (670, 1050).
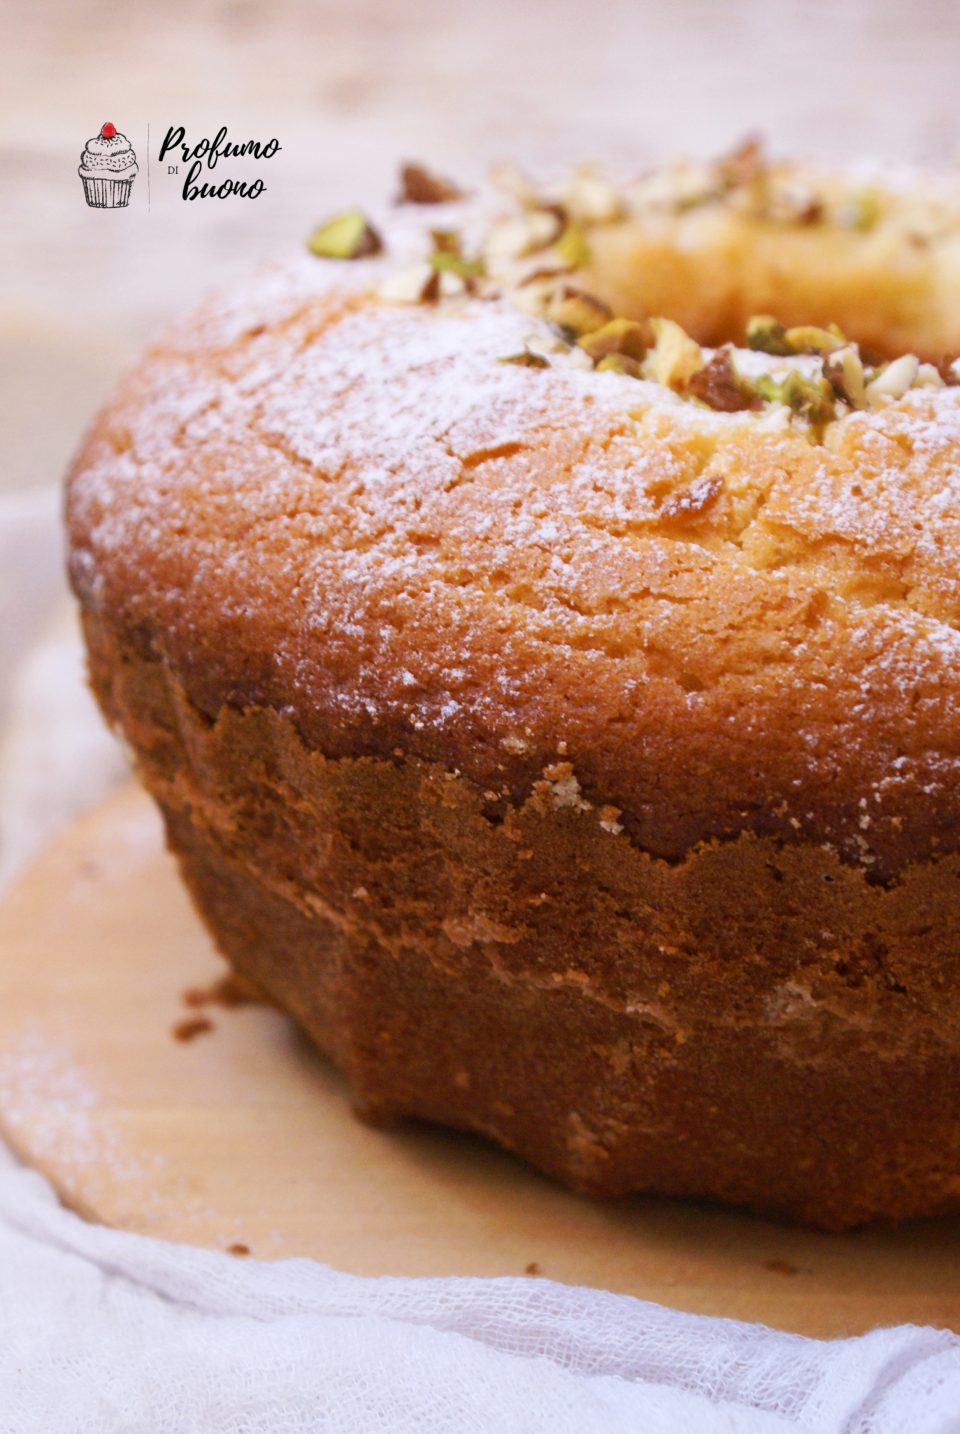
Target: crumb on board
(189, 1029)
(229, 991)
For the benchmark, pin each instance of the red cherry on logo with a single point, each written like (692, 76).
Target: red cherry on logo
(108, 130)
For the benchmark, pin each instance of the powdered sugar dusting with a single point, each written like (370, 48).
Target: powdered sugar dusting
(52, 1108)
(367, 514)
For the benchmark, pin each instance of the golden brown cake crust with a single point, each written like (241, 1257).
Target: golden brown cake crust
(710, 663)
(356, 516)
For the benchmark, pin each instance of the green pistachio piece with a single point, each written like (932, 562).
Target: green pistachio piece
(811, 339)
(577, 313)
(767, 335)
(526, 359)
(457, 264)
(448, 256)
(768, 388)
(572, 247)
(861, 211)
(620, 336)
(843, 370)
(620, 363)
(345, 236)
(675, 356)
(810, 398)
(446, 241)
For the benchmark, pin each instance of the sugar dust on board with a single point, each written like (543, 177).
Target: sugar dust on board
(201, 158)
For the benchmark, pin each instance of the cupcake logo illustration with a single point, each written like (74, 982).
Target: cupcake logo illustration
(108, 167)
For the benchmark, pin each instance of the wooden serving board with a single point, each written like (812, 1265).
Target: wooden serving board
(244, 1136)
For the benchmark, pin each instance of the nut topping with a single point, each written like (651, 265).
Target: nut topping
(531, 257)
(811, 339)
(895, 378)
(620, 363)
(592, 200)
(767, 335)
(419, 186)
(744, 164)
(949, 369)
(861, 211)
(843, 370)
(448, 256)
(577, 313)
(420, 284)
(626, 337)
(345, 236)
(525, 234)
(718, 387)
(810, 398)
(526, 358)
(675, 357)
(572, 248)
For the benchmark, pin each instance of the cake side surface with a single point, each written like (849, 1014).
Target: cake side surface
(758, 1023)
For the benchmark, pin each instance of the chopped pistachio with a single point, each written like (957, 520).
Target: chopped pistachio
(419, 186)
(577, 313)
(744, 164)
(446, 241)
(675, 356)
(345, 236)
(620, 336)
(683, 186)
(718, 386)
(592, 200)
(843, 370)
(526, 359)
(572, 247)
(929, 376)
(791, 203)
(767, 335)
(512, 181)
(420, 284)
(809, 397)
(894, 378)
(620, 363)
(811, 339)
(545, 273)
(534, 295)
(949, 369)
(768, 388)
(446, 263)
(861, 211)
(523, 234)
